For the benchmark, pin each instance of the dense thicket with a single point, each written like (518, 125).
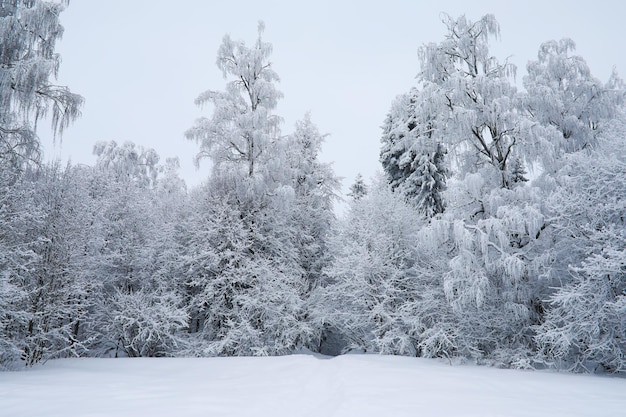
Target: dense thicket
(526, 273)
(496, 232)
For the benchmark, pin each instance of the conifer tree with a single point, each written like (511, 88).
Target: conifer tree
(358, 189)
(412, 155)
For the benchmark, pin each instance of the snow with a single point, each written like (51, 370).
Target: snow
(301, 385)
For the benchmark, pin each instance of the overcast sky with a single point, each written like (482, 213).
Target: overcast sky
(141, 63)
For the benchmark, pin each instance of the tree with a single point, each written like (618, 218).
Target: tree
(315, 187)
(372, 280)
(138, 310)
(473, 101)
(42, 264)
(18, 259)
(467, 110)
(585, 326)
(248, 266)
(584, 323)
(128, 163)
(12, 319)
(242, 129)
(29, 30)
(518, 172)
(358, 189)
(493, 279)
(563, 95)
(412, 155)
(244, 282)
(394, 156)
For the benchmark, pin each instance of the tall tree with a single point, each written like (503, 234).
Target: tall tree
(413, 155)
(29, 30)
(474, 100)
(243, 128)
(244, 280)
(466, 105)
(44, 261)
(315, 187)
(565, 97)
(247, 279)
(18, 262)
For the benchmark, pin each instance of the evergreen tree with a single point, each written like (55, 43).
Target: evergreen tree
(412, 158)
(518, 172)
(358, 189)
(315, 186)
(368, 275)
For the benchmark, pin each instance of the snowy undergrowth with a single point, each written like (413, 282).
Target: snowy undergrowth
(300, 385)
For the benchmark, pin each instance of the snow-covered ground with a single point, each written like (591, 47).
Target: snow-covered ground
(301, 385)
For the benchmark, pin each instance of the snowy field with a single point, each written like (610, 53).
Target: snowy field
(301, 385)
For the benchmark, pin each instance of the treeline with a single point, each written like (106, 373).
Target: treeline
(496, 232)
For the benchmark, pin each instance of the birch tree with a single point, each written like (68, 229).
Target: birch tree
(242, 129)
(473, 98)
(566, 98)
(29, 31)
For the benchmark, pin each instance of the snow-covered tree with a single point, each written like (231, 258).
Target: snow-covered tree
(244, 283)
(518, 172)
(123, 179)
(492, 283)
(372, 280)
(248, 264)
(563, 95)
(127, 252)
(412, 155)
(469, 94)
(18, 259)
(128, 162)
(30, 244)
(584, 326)
(145, 323)
(42, 260)
(242, 129)
(315, 186)
(358, 189)
(29, 30)
(394, 156)
(12, 318)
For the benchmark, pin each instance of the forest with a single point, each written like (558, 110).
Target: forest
(496, 232)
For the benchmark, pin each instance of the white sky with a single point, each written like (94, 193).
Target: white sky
(141, 63)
